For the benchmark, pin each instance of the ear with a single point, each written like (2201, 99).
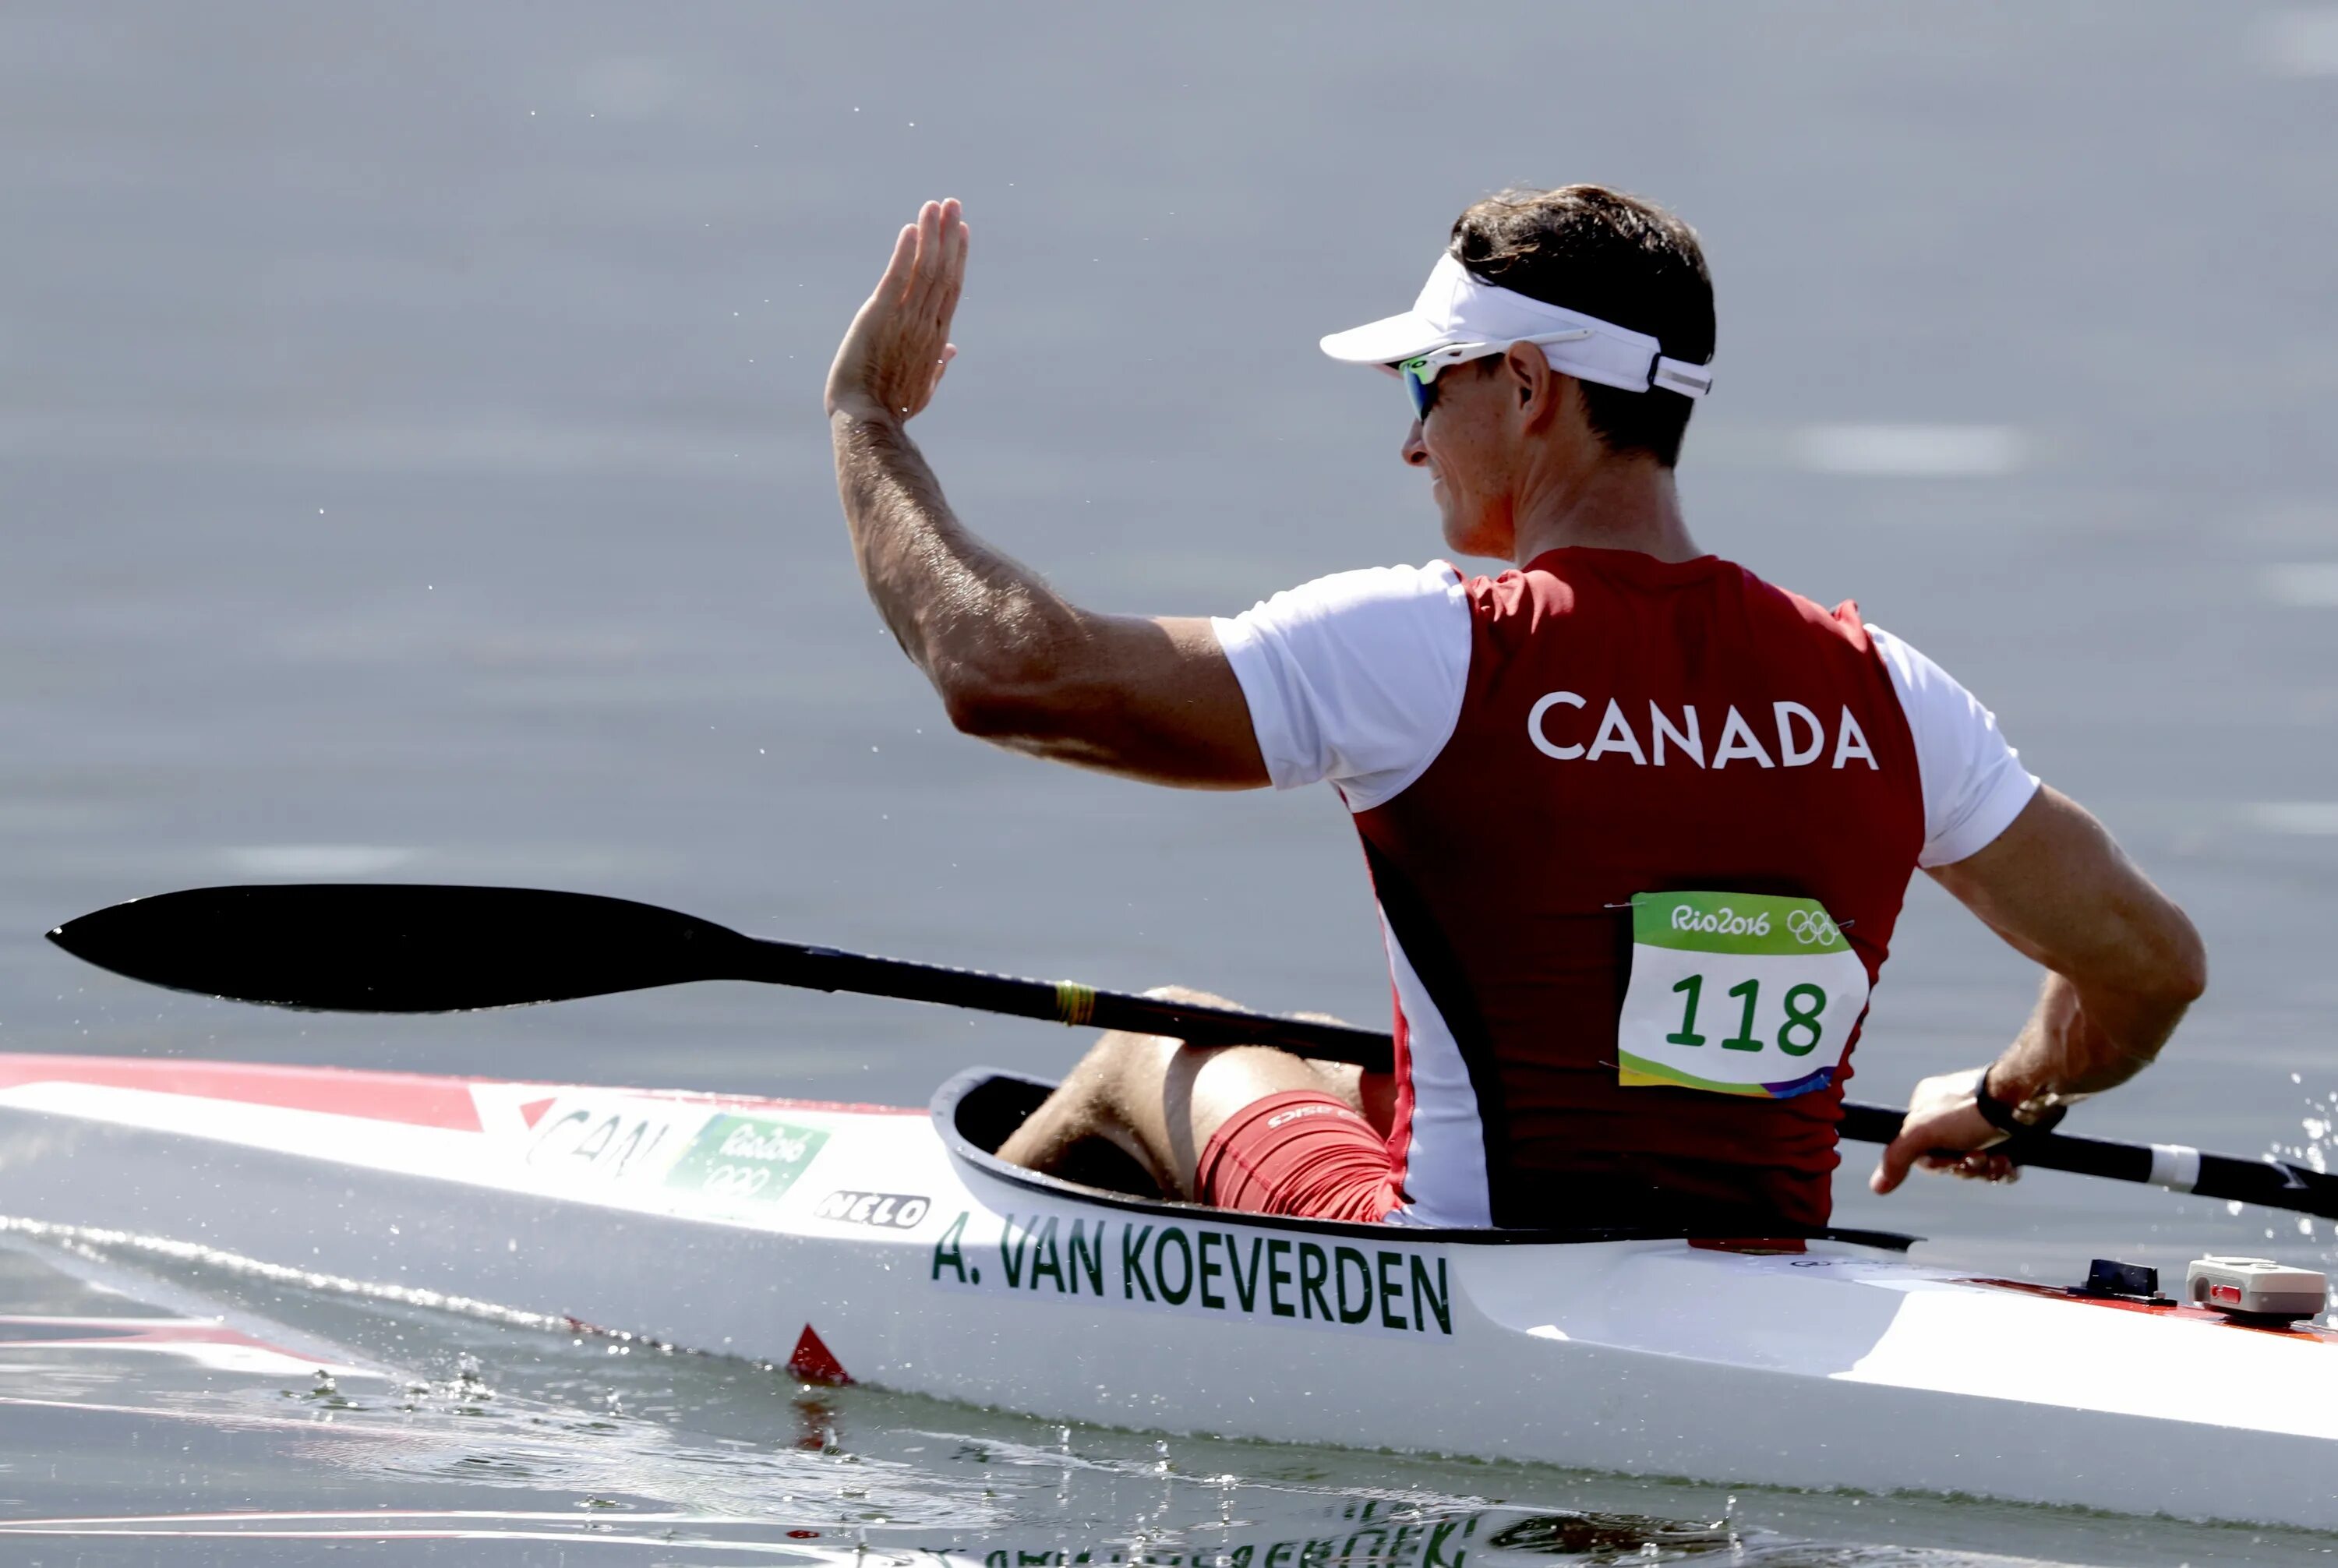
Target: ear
(1537, 390)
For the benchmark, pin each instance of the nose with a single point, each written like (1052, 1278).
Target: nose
(1415, 453)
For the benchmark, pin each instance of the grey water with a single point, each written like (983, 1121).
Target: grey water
(411, 467)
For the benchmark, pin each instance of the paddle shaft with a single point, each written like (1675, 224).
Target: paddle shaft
(399, 948)
(1065, 1002)
(2266, 1183)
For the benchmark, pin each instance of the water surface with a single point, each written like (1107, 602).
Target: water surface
(411, 467)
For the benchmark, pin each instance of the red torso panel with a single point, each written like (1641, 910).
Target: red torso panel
(1629, 726)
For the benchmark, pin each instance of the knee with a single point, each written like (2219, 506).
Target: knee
(1191, 1056)
(1124, 1066)
(1100, 1075)
(1123, 1060)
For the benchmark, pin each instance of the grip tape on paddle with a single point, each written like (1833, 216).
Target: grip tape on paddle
(1074, 1003)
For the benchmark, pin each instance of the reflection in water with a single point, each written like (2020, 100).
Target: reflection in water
(348, 1417)
(815, 1425)
(1428, 1540)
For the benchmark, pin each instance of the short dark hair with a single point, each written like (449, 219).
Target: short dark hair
(1626, 260)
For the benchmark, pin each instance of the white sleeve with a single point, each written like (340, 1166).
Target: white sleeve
(1974, 783)
(1357, 677)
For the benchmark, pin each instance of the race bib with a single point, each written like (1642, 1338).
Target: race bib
(1737, 993)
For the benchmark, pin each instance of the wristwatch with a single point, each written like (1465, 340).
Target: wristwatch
(2038, 1114)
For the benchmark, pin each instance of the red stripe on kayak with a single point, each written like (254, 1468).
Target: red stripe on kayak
(403, 1097)
(532, 1112)
(409, 1098)
(27, 1333)
(2302, 1332)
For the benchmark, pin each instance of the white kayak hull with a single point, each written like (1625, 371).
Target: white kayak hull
(880, 1246)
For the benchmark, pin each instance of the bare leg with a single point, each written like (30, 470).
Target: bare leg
(1160, 1101)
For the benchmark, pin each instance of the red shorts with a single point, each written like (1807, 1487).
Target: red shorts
(1302, 1153)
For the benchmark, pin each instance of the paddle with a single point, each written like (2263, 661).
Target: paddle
(402, 948)
(405, 947)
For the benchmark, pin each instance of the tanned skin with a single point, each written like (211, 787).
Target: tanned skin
(1516, 470)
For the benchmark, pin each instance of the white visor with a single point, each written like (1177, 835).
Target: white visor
(1456, 307)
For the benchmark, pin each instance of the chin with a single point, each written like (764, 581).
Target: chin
(1466, 535)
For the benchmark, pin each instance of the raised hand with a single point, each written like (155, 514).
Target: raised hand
(894, 353)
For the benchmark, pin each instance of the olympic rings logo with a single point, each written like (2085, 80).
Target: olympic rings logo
(1813, 926)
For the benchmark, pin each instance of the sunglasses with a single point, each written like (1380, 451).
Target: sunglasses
(1421, 375)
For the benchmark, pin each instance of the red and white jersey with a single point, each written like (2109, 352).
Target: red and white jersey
(1522, 755)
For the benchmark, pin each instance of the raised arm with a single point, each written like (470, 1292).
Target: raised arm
(2122, 964)
(1012, 661)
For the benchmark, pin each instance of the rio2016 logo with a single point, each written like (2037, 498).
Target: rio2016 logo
(1721, 922)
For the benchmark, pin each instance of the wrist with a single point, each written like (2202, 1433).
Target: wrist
(2013, 1104)
(2006, 1084)
(860, 409)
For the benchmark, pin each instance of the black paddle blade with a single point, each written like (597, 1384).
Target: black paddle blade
(401, 948)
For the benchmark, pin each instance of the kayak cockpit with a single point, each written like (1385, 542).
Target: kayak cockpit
(974, 1112)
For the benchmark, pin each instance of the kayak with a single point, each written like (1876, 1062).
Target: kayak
(887, 1246)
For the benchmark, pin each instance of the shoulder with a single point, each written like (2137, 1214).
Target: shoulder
(1973, 781)
(1364, 590)
(1357, 677)
(1841, 624)
(1919, 680)
(1353, 612)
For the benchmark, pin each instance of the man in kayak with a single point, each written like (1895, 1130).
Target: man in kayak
(1639, 824)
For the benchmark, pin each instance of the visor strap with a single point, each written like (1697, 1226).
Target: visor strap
(1679, 375)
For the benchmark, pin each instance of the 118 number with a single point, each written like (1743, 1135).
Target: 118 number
(1797, 1037)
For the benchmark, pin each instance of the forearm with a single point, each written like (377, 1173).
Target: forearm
(2122, 962)
(962, 611)
(1012, 661)
(2081, 1040)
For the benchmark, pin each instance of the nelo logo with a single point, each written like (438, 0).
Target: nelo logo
(897, 1211)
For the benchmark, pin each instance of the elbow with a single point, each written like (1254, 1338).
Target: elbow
(993, 707)
(2179, 970)
(2189, 976)
(982, 711)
